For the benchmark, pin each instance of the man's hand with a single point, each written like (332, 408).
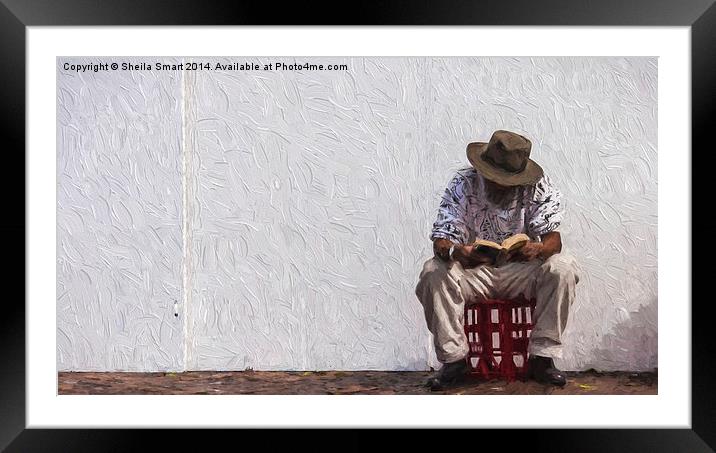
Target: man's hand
(551, 244)
(469, 257)
(528, 252)
(441, 248)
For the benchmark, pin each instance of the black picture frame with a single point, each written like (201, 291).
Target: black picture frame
(16, 15)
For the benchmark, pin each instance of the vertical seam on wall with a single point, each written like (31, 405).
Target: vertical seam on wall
(185, 223)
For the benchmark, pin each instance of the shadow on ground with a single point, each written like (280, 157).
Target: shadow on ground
(338, 383)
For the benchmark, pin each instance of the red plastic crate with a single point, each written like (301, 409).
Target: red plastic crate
(498, 334)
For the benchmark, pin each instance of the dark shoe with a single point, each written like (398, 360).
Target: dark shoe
(449, 374)
(542, 370)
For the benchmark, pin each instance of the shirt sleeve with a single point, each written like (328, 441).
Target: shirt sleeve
(450, 223)
(546, 209)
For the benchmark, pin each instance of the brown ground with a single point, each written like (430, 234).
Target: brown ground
(337, 383)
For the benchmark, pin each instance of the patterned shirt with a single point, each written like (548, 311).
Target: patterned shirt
(465, 213)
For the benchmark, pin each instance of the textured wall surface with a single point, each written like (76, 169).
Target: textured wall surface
(119, 212)
(309, 200)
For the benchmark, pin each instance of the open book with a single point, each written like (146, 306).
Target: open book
(500, 252)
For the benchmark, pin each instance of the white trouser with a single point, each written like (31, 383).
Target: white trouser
(444, 287)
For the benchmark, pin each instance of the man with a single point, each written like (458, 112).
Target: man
(502, 194)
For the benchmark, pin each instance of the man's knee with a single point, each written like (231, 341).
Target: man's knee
(434, 272)
(434, 269)
(562, 266)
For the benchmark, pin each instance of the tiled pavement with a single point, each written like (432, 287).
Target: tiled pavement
(337, 383)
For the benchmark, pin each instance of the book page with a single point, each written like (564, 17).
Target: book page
(516, 241)
(486, 243)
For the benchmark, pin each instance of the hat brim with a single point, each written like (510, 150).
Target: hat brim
(530, 175)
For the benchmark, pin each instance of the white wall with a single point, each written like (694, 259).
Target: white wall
(307, 208)
(119, 242)
(310, 198)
